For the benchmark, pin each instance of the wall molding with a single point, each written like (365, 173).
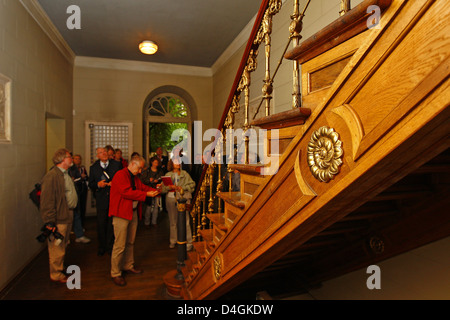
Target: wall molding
(38, 14)
(142, 66)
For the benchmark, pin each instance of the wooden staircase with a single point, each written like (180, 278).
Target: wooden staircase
(381, 96)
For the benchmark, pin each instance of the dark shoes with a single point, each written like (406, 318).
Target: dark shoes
(101, 252)
(62, 280)
(133, 271)
(119, 281)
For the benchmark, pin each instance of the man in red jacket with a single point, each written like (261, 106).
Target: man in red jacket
(127, 194)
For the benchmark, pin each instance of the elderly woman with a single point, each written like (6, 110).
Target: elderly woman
(181, 181)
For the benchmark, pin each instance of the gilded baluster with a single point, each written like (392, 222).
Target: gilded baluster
(295, 28)
(230, 159)
(203, 190)
(194, 222)
(244, 85)
(230, 141)
(229, 119)
(198, 204)
(235, 105)
(266, 25)
(345, 7)
(267, 87)
(234, 108)
(211, 169)
(230, 175)
(222, 140)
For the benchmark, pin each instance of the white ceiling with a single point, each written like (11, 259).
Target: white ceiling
(188, 32)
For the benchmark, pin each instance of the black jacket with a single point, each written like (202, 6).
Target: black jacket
(96, 174)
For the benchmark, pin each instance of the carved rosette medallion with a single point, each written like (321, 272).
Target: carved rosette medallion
(324, 154)
(217, 267)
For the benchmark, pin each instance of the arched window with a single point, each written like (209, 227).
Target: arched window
(167, 106)
(163, 114)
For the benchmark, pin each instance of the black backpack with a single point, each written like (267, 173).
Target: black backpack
(35, 195)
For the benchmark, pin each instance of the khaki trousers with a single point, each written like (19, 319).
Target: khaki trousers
(56, 253)
(122, 256)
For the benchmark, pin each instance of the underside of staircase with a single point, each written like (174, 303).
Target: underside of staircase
(375, 99)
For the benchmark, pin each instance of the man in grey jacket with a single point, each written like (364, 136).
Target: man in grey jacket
(58, 199)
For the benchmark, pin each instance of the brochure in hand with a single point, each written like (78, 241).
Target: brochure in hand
(167, 180)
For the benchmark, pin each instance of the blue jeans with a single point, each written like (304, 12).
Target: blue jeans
(151, 211)
(77, 226)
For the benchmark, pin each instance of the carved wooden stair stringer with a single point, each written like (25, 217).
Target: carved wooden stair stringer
(287, 124)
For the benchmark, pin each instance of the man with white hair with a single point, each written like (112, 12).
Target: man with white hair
(127, 195)
(101, 174)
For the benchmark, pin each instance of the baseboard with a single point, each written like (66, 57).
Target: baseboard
(15, 278)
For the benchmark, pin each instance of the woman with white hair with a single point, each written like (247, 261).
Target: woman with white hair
(181, 181)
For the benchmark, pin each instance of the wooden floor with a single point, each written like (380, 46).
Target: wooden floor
(152, 254)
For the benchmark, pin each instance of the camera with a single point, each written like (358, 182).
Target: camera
(50, 229)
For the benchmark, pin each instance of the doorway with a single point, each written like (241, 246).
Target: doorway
(161, 135)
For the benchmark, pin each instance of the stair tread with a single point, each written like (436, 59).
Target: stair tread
(283, 119)
(207, 234)
(233, 198)
(208, 237)
(252, 169)
(193, 256)
(188, 265)
(199, 247)
(185, 272)
(218, 220)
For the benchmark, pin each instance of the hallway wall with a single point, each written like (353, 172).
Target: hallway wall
(41, 85)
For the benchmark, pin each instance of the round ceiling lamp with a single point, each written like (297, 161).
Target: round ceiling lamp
(148, 47)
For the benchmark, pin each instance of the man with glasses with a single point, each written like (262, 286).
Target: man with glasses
(58, 199)
(127, 195)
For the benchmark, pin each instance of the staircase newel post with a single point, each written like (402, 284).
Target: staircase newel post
(181, 235)
(174, 279)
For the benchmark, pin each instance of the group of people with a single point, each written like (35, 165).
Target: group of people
(124, 192)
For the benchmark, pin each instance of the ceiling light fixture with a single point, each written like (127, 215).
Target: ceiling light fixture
(148, 47)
